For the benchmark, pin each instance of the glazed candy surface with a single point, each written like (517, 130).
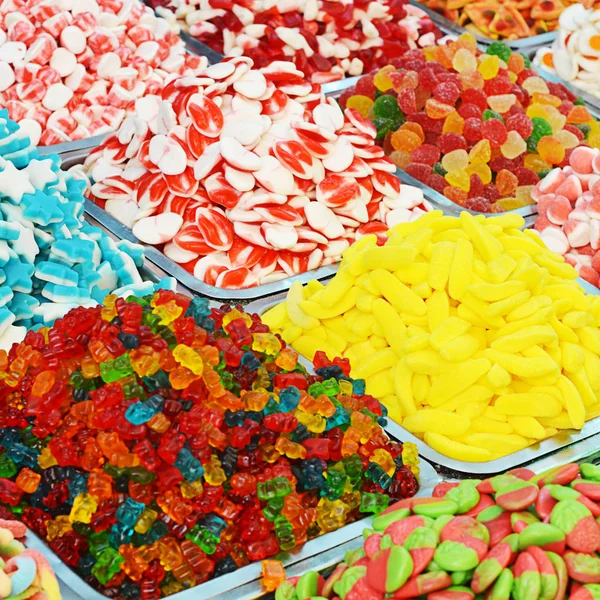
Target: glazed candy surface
(515, 536)
(479, 128)
(155, 443)
(474, 335)
(247, 176)
(325, 40)
(505, 19)
(69, 71)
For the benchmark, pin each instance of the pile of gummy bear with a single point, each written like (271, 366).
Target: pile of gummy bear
(155, 443)
(517, 535)
(247, 176)
(324, 40)
(479, 128)
(24, 572)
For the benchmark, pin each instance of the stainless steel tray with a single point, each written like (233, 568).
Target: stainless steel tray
(77, 146)
(451, 27)
(531, 453)
(244, 583)
(195, 46)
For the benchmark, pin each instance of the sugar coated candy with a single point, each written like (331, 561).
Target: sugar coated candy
(246, 176)
(568, 220)
(577, 61)
(51, 259)
(156, 442)
(515, 536)
(475, 336)
(24, 572)
(324, 40)
(73, 70)
(505, 19)
(479, 128)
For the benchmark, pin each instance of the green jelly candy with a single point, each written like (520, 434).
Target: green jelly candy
(307, 585)
(492, 114)
(286, 591)
(527, 586)
(367, 533)
(465, 495)
(526, 59)
(579, 102)
(503, 586)
(423, 537)
(349, 578)
(440, 523)
(487, 571)
(541, 128)
(593, 589)
(352, 556)
(561, 572)
(387, 517)
(390, 569)
(454, 556)
(433, 567)
(460, 577)
(436, 509)
(567, 513)
(490, 513)
(438, 169)
(500, 49)
(539, 534)
(386, 107)
(560, 492)
(590, 471)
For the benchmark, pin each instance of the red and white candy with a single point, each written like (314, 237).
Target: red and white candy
(569, 212)
(71, 70)
(246, 176)
(325, 40)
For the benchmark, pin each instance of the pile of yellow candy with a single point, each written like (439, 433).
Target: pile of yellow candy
(474, 335)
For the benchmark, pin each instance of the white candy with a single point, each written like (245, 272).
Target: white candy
(159, 229)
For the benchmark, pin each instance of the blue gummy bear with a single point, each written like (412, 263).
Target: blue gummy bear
(289, 398)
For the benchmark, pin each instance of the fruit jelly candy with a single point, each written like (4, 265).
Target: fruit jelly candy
(501, 103)
(446, 92)
(514, 146)
(400, 159)
(453, 123)
(472, 130)
(459, 179)
(405, 140)
(567, 139)
(438, 110)
(494, 131)
(520, 123)
(360, 103)
(448, 142)
(551, 150)
(426, 153)
(579, 114)
(489, 66)
(499, 49)
(382, 80)
(464, 60)
(480, 153)
(506, 182)
(457, 160)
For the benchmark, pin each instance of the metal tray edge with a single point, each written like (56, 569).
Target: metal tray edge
(527, 455)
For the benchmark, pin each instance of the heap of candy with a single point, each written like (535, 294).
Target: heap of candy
(569, 212)
(505, 19)
(324, 40)
(156, 443)
(249, 175)
(50, 259)
(24, 572)
(575, 53)
(71, 70)
(475, 336)
(479, 128)
(515, 535)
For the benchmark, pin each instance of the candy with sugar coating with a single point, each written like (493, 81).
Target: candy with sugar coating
(507, 335)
